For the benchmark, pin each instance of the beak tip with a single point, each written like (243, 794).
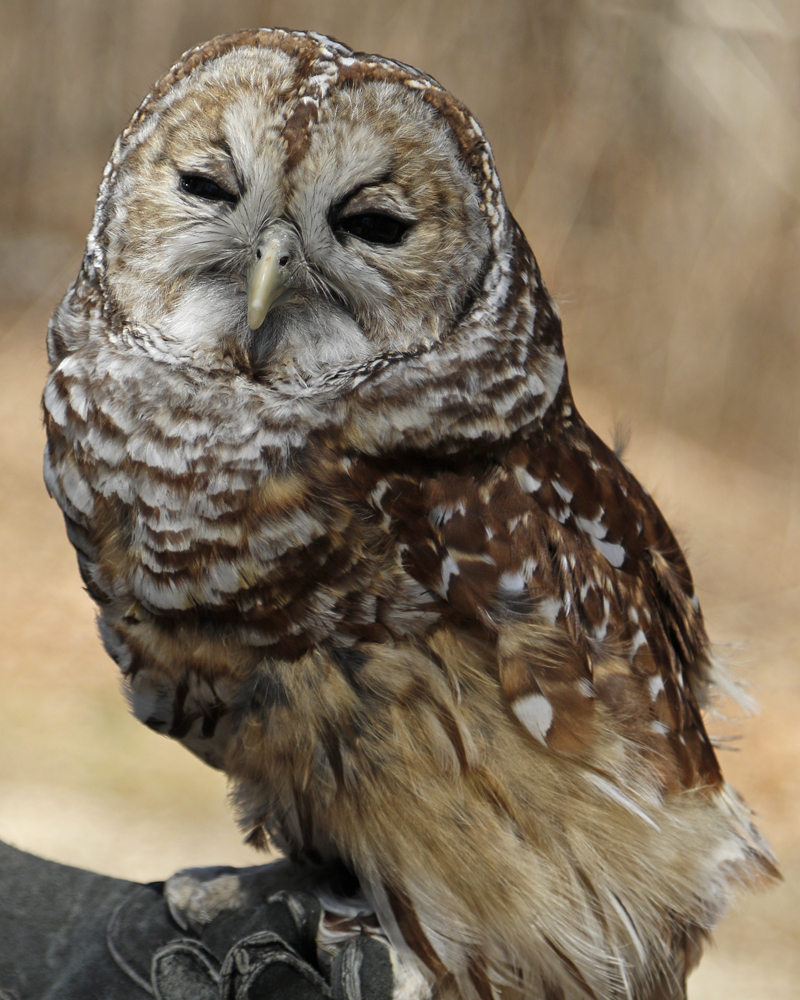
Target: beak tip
(255, 318)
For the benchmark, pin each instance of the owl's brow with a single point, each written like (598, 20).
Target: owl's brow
(377, 182)
(223, 146)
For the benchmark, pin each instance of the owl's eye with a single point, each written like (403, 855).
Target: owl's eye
(204, 187)
(374, 227)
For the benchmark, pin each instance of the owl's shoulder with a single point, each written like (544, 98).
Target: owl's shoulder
(552, 549)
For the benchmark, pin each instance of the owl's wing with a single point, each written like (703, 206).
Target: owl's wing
(564, 618)
(558, 554)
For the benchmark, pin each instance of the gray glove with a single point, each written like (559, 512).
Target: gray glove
(264, 966)
(68, 934)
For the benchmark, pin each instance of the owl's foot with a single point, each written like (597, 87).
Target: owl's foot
(312, 922)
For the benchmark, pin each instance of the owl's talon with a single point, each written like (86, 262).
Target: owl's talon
(195, 896)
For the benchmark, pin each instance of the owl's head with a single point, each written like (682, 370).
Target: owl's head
(321, 219)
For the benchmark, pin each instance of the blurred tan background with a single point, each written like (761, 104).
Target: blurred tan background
(651, 151)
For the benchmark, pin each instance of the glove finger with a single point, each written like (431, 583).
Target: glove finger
(185, 970)
(138, 927)
(293, 917)
(263, 967)
(305, 910)
(362, 970)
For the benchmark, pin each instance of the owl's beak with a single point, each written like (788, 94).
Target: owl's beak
(266, 280)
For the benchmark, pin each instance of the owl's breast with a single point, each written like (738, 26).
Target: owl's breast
(196, 505)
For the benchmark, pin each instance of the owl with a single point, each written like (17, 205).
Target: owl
(309, 423)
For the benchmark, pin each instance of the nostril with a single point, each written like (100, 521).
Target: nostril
(283, 260)
(258, 255)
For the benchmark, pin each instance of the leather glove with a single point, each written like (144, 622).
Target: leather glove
(69, 934)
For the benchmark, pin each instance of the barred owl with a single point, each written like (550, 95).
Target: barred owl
(310, 427)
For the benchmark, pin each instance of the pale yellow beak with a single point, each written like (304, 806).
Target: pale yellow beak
(265, 281)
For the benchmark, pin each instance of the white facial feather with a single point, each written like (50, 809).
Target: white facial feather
(188, 278)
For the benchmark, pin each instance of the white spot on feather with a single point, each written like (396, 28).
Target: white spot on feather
(614, 553)
(449, 568)
(526, 480)
(536, 714)
(443, 513)
(512, 583)
(595, 528)
(565, 494)
(549, 609)
(376, 495)
(656, 685)
(600, 631)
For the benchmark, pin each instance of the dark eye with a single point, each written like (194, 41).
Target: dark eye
(374, 227)
(204, 187)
